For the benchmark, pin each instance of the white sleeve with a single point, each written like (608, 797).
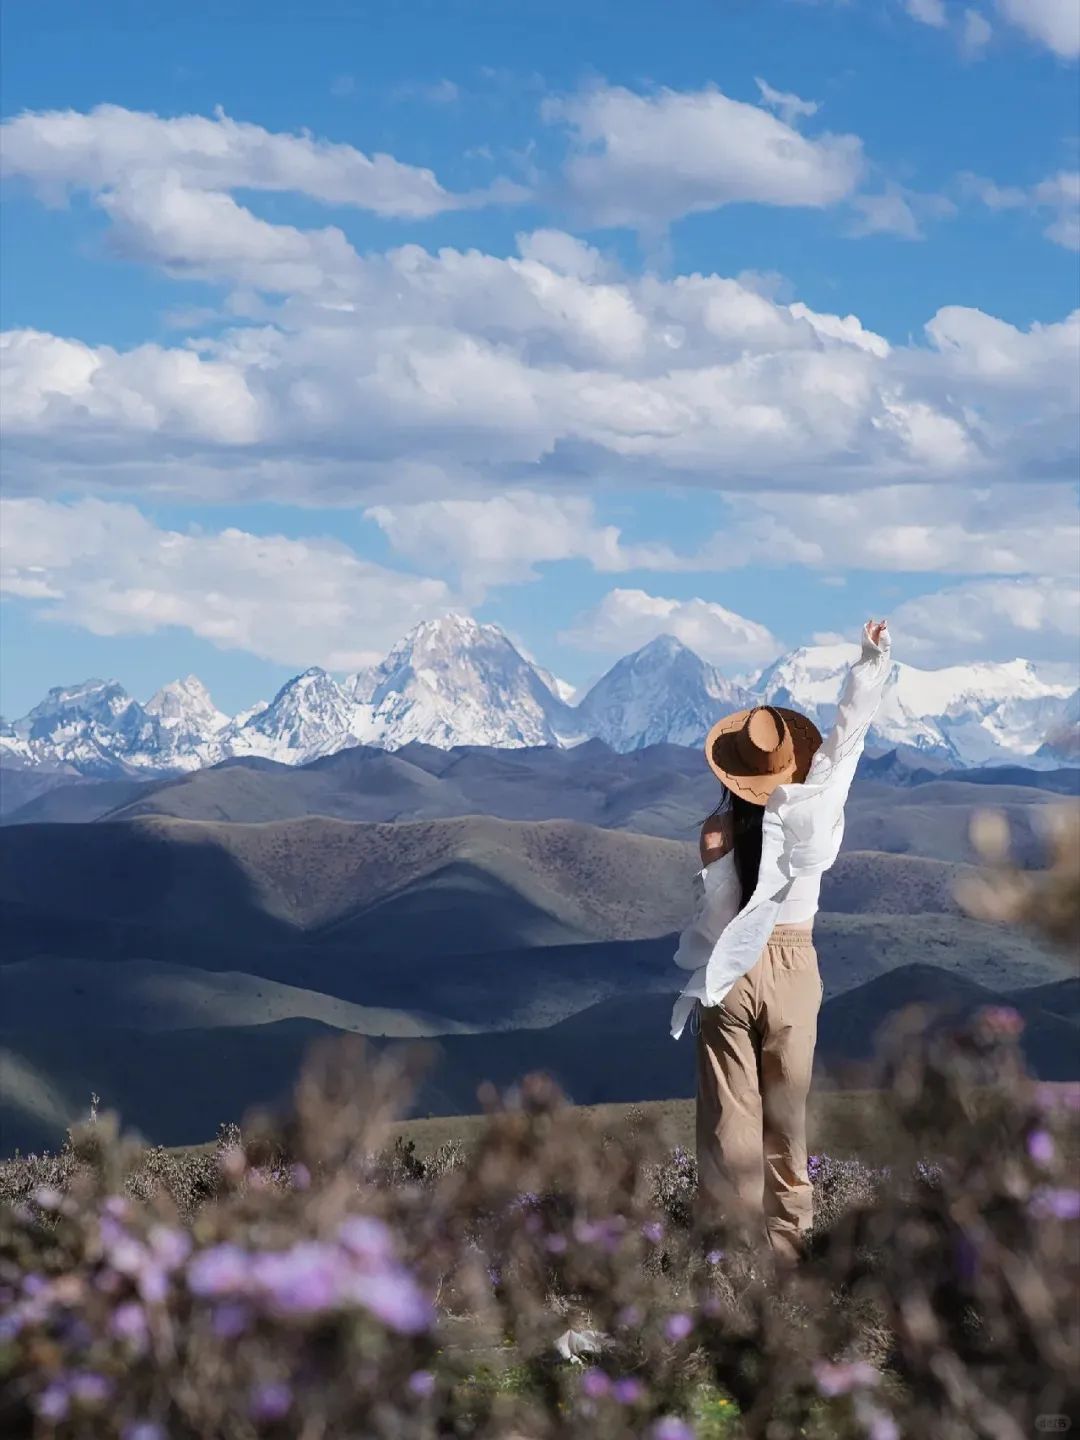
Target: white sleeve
(812, 814)
(716, 890)
(839, 753)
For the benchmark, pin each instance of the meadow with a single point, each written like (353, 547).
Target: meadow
(541, 1271)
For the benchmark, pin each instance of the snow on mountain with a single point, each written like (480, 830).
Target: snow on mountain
(984, 713)
(95, 728)
(1061, 745)
(662, 692)
(188, 719)
(311, 715)
(561, 689)
(453, 681)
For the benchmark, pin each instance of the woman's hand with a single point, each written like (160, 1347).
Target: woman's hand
(875, 629)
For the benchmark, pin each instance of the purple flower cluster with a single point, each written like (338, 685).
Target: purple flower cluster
(670, 1427)
(1056, 1202)
(606, 1234)
(312, 1278)
(843, 1377)
(83, 1388)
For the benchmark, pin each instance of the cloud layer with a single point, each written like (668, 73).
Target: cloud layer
(105, 567)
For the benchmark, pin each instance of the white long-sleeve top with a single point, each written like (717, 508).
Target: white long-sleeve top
(801, 831)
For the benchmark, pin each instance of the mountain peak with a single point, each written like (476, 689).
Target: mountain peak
(663, 692)
(662, 647)
(186, 710)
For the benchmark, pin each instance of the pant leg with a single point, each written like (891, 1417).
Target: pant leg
(729, 1135)
(790, 1001)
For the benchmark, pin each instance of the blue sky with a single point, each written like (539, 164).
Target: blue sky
(737, 320)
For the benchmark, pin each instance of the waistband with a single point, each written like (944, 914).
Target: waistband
(792, 934)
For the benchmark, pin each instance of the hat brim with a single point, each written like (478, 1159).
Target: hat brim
(722, 753)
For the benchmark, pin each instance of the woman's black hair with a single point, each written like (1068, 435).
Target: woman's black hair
(746, 819)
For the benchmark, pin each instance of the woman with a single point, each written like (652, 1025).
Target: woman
(755, 989)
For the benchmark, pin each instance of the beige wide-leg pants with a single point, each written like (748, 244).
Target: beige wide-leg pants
(755, 1054)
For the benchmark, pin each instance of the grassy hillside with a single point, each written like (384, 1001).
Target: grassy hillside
(177, 1085)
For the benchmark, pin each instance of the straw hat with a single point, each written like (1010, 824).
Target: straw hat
(754, 751)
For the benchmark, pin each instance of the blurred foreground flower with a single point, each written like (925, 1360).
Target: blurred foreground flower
(1048, 900)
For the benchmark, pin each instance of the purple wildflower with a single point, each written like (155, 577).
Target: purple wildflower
(300, 1281)
(169, 1247)
(629, 1317)
(47, 1198)
(11, 1322)
(396, 1299)
(366, 1238)
(117, 1207)
(1040, 1146)
(153, 1284)
(677, 1327)
(555, 1244)
(422, 1383)
(33, 1284)
(628, 1390)
(270, 1401)
(129, 1323)
(845, 1376)
(814, 1165)
(880, 1426)
(143, 1430)
(1057, 1203)
(714, 1257)
(670, 1427)
(653, 1231)
(126, 1256)
(595, 1384)
(54, 1401)
(300, 1177)
(230, 1319)
(221, 1270)
(89, 1388)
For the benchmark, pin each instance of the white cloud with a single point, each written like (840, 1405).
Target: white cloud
(1006, 530)
(975, 34)
(887, 213)
(500, 540)
(344, 377)
(1053, 23)
(1037, 619)
(789, 107)
(106, 568)
(627, 619)
(645, 160)
(898, 210)
(109, 147)
(1057, 199)
(439, 92)
(52, 384)
(1002, 530)
(928, 12)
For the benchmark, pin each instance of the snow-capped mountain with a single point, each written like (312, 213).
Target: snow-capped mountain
(454, 681)
(95, 728)
(662, 692)
(311, 715)
(985, 713)
(186, 715)
(453, 677)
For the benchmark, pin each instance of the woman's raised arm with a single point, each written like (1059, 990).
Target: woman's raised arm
(856, 708)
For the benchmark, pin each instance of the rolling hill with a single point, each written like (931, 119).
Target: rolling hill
(177, 1086)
